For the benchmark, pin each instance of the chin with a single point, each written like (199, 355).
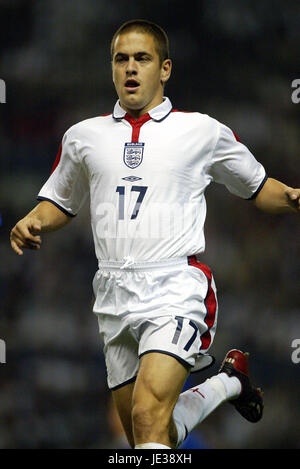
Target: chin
(133, 103)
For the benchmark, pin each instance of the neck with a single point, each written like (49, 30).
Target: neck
(137, 113)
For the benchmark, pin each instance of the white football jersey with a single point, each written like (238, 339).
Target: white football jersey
(146, 179)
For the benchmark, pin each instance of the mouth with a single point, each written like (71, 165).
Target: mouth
(131, 85)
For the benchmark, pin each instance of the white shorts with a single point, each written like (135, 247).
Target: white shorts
(167, 306)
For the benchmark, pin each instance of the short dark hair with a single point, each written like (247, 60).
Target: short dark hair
(147, 27)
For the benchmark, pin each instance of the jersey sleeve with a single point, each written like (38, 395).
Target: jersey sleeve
(67, 187)
(234, 166)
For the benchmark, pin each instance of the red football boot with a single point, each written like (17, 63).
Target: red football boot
(250, 402)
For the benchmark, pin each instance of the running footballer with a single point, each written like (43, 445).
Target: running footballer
(145, 168)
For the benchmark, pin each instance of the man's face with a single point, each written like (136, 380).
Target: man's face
(138, 75)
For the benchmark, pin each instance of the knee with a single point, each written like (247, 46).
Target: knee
(148, 416)
(142, 415)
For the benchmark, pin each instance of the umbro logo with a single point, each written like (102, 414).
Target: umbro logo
(132, 178)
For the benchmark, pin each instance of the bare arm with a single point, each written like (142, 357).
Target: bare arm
(276, 197)
(45, 217)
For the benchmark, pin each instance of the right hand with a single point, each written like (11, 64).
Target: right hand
(24, 235)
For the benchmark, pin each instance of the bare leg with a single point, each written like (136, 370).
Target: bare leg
(123, 399)
(157, 388)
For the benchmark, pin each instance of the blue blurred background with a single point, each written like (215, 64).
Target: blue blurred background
(232, 60)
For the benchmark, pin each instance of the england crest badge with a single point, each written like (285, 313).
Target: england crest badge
(133, 154)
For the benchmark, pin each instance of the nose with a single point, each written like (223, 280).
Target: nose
(131, 68)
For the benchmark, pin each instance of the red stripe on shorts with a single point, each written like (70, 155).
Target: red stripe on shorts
(210, 302)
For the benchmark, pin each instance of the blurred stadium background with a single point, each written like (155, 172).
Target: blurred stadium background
(233, 60)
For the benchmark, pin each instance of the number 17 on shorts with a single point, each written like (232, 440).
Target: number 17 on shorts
(177, 336)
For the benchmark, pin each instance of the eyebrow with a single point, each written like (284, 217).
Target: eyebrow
(136, 55)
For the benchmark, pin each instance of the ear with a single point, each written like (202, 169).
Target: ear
(166, 69)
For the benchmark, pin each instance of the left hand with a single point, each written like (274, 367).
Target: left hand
(293, 198)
